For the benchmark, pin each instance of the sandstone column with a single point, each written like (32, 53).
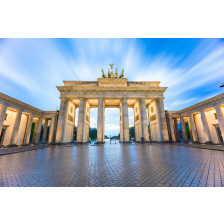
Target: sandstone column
(28, 129)
(100, 121)
(44, 137)
(145, 130)
(220, 117)
(51, 131)
(176, 130)
(81, 120)
(72, 137)
(2, 116)
(37, 137)
(61, 120)
(172, 129)
(125, 120)
(205, 127)
(162, 120)
(121, 124)
(193, 128)
(16, 128)
(183, 127)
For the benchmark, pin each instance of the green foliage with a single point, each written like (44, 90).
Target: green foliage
(188, 130)
(75, 133)
(132, 132)
(32, 131)
(93, 133)
(115, 137)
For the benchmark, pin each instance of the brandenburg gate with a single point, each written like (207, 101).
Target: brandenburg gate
(23, 124)
(112, 92)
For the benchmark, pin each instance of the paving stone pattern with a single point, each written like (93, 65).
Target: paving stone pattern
(113, 165)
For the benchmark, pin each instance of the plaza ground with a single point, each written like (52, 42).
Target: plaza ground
(118, 165)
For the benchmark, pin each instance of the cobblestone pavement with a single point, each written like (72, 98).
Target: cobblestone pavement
(10, 150)
(114, 165)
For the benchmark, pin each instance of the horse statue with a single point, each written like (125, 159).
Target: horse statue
(103, 74)
(109, 74)
(122, 74)
(115, 76)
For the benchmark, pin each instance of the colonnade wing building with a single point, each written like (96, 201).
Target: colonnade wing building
(17, 119)
(201, 123)
(112, 93)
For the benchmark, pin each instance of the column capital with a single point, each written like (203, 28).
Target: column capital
(63, 98)
(217, 106)
(142, 99)
(3, 106)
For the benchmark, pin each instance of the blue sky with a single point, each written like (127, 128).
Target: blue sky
(192, 69)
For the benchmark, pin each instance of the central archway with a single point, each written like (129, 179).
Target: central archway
(112, 124)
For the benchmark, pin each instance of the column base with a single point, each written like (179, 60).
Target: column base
(161, 142)
(12, 145)
(99, 143)
(37, 144)
(57, 143)
(143, 142)
(209, 143)
(126, 142)
(80, 143)
(25, 144)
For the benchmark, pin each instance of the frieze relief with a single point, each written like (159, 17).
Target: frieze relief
(112, 94)
(204, 107)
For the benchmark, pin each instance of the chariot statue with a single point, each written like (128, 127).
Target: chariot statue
(112, 74)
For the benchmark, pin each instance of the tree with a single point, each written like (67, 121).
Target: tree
(93, 133)
(132, 132)
(75, 133)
